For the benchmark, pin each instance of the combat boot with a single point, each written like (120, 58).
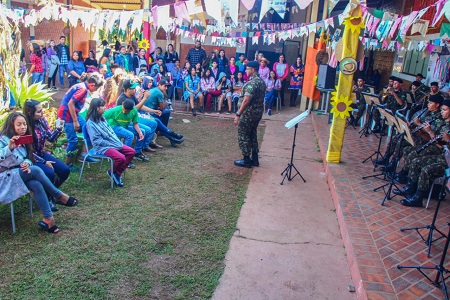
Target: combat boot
(402, 176)
(382, 161)
(245, 163)
(390, 167)
(416, 200)
(255, 161)
(408, 191)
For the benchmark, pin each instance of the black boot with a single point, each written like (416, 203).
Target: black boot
(176, 135)
(174, 141)
(416, 200)
(408, 191)
(390, 167)
(246, 162)
(194, 113)
(402, 176)
(382, 161)
(376, 129)
(255, 161)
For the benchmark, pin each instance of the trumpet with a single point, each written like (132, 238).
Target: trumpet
(423, 125)
(430, 142)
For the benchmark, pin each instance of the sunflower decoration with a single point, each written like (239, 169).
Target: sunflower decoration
(341, 106)
(355, 24)
(144, 44)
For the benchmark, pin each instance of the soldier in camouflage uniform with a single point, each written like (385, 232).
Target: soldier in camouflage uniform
(424, 169)
(395, 100)
(432, 115)
(251, 108)
(360, 102)
(420, 93)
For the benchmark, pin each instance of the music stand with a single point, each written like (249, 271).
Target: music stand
(404, 127)
(441, 270)
(371, 101)
(288, 170)
(377, 152)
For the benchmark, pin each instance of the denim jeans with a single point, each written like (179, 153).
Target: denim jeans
(165, 114)
(37, 77)
(72, 138)
(150, 123)
(129, 133)
(162, 128)
(37, 182)
(58, 174)
(61, 70)
(270, 97)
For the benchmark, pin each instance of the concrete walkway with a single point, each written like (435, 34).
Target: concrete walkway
(287, 244)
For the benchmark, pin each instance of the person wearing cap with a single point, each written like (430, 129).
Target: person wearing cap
(71, 104)
(196, 54)
(434, 89)
(250, 111)
(425, 169)
(432, 116)
(360, 102)
(146, 126)
(394, 100)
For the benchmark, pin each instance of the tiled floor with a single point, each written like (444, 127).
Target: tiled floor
(371, 232)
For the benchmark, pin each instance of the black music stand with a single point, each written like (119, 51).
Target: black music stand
(371, 101)
(429, 240)
(377, 152)
(439, 281)
(288, 170)
(404, 132)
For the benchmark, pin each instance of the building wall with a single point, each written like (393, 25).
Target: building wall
(383, 62)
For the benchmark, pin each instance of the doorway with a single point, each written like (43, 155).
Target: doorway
(291, 50)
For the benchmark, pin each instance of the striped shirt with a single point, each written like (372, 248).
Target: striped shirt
(78, 94)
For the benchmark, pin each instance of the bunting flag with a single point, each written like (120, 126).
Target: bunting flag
(439, 12)
(212, 9)
(303, 3)
(331, 5)
(164, 17)
(125, 17)
(181, 11)
(232, 8)
(155, 16)
(248, 4)
(137, 20)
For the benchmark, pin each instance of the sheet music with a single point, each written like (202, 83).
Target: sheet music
(291, 123)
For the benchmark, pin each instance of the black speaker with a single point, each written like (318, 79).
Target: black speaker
(326, 77)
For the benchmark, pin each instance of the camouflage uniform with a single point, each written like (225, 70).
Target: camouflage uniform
(391, 103)
(255, 88)
(436, 122)
(425, 169)
(410, 151)
(360, 102)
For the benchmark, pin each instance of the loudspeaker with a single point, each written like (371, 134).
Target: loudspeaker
(326, 77)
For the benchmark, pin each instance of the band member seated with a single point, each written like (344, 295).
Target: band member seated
(434, 89)
(423, 170)
(421, 95)
(360, 102)
(395, 99)
(431, 116)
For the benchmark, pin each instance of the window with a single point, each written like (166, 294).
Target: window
(411, 62)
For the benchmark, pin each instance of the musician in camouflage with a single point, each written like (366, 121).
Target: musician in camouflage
(395, 100)
(360, 102)
(432, 115)
(251, 109)
(423, 170)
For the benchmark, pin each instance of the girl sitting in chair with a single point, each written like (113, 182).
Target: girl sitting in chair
(18, 175)
(106, 142)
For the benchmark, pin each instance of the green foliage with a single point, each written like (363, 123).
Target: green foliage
(21, 90)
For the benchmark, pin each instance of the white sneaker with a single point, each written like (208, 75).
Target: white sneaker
(168, 101)
(170, 107)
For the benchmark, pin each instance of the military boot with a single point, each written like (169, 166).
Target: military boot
(246, 162)
(390, 167)
(416, 200)
(408, 191)
(255, 161)
(382, 161)
(402, 176)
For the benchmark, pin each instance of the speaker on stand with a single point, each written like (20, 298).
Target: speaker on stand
(326, 77)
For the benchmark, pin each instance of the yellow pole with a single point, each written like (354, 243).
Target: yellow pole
(350, 39)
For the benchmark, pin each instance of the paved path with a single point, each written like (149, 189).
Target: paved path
(287, 244)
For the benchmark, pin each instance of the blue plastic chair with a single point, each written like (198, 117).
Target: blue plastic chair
(91, 153)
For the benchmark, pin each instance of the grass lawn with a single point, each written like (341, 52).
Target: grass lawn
(163, 236)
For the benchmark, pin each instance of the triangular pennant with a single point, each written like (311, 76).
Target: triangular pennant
(137, 20)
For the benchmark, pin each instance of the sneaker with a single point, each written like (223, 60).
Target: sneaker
(269, 112)
(74, 169)
(140, 156)
(202, 110)
(155, 145)
(170, 118)
(149, 150)
(219, 112)
(228, 112)
(194, 113)
(170, 107)
(88, 159)
(131, 165)
(168, 101)
(55, 88)
(116, 177)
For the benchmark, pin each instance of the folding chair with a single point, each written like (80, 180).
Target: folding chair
(441, 180)
(13, 220)
(91, 153)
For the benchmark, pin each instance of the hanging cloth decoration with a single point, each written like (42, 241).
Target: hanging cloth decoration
(303, 3)
(124, 19)
(212, 9)
(137, 20)
(181, 10)
(248, 4)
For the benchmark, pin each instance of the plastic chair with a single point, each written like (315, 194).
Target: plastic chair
(11, 207)
(277, 103)
(91, 153)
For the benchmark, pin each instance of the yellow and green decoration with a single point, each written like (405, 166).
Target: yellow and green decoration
(341, 99)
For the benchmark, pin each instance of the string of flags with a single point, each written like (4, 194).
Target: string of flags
(386, 31)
